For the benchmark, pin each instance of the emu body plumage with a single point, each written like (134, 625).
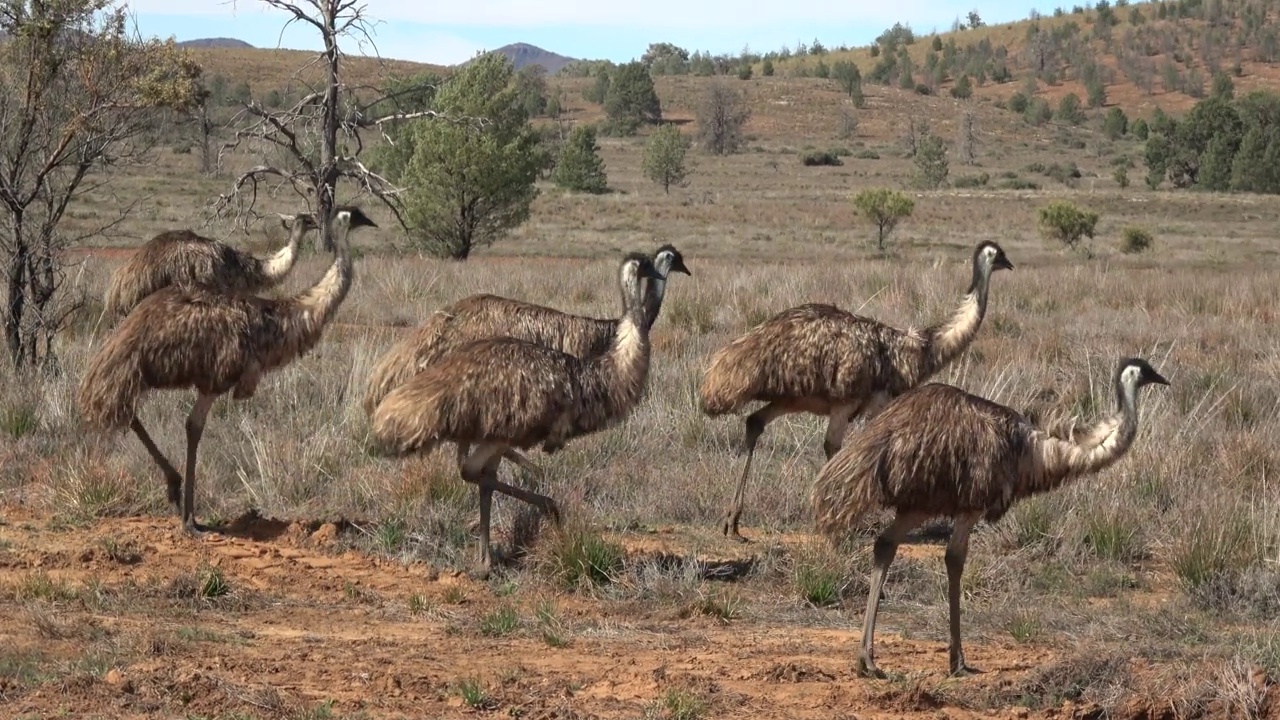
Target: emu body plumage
(508, 393)
(212, 340)
(937, 450)
(477, 317)
(181, 257)
(819, 359)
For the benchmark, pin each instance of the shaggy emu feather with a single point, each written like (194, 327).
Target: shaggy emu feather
(507, 393)
(181, 257)
(485, 316)
(937, 450)
(211, 340)
(823, 360)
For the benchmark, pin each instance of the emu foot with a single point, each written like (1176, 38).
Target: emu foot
(730, 528)
(195, 530)
(552, 511)
(867, 668)
(959, 668)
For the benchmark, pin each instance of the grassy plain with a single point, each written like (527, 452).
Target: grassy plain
(1148, 591)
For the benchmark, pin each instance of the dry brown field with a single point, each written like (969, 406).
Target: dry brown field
(336, 587)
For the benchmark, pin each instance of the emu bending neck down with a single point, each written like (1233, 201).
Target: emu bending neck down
(276, 267)
(945, 341)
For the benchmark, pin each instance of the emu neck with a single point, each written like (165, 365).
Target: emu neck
(1107, 442)
(276, 267)
(654, 290)
(318, 304)
(948, 340)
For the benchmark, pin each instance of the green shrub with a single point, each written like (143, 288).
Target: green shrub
(814, 158)
(1135, 240)
(1067, 223)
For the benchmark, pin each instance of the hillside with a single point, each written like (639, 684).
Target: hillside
(1144, 55)
(523, 54)
(268, 69)
(218, 42)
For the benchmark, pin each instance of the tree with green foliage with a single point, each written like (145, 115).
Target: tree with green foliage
(1069, 110)
(1222, 87)
(1140, 129)
(1095, 92)
(1156, 154)
(931, 162)
(1067, 223)
(80, 97)
(580, 167)
(963, 89)
(846, 73)
(1215, 167)
(531, 87)
(664, 158)
(1115, 123)
(1256, 167)
(467, 187)
(722, 115)
(766, 68)
(631, 99)
(884, 207)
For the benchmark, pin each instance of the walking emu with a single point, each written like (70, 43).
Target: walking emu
(484, 316)
(211, 340)
(940, 451)
(820, 359)
(507, 393)
(180, 257)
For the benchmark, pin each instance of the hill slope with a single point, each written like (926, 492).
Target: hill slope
(268, 69)
(217, 42)
(523, 54)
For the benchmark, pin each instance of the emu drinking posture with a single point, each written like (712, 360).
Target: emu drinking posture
(485, 316)
(214, 341)
(820, 359)
(506, 393)
(181, 257)
(940, 451)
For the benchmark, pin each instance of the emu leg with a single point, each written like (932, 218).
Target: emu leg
(957, 551)
(172, 477)
(837, 426)
(475, 469)
(525, 463)
(195, 428)
(886, 548)
(756, 423)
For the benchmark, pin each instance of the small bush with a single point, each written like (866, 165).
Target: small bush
(815, 158)
(818, 575)
(884, 207)
(1135, 240)
(971, 181)
(582, 558)
(867, 154)
(1016, 183)
(1067, 223)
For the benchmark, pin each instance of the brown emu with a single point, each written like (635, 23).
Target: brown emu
(485, 316)
(183, 257)
(505, 394)
(940, 451)
(820, 359)
(211, 340)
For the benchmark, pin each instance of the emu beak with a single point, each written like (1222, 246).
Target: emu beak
(1002, 263)
(679, 267)
(1157, 378)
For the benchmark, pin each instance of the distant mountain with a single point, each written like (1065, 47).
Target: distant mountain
(522, 54)
(218, 42)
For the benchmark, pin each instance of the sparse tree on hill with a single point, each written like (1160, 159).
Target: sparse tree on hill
(78, 95)
(664, 158)
(931, 162)
(884, 207)
(1115, 124)
(722, 116)
(297, 146)
(580, 167)
(847, 74)
(631, 100)
(466, 188)
(966, 139)
(531, 86)
(975, 20)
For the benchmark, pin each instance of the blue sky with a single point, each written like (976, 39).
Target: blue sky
(620, 31)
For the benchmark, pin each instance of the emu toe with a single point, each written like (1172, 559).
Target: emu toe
(867, 669)
(730, 528)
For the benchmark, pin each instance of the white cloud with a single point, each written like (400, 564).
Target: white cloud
(658, 14)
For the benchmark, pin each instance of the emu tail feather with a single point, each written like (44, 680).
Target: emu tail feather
(111, 386)
(404, 360)
(848, 487)
(731, 382)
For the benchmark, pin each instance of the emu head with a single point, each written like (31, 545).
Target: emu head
(990, 257)
(352, 216)
(668, 259)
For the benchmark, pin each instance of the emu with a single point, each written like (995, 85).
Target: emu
(214, 341)
(484, 316)
(819, 359)
(507, 394)
(937, 450)
(181, 257)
